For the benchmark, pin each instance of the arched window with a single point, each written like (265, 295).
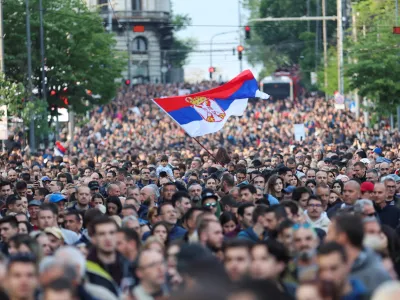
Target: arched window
(139, 44)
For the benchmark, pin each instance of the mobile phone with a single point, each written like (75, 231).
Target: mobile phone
(36, 177)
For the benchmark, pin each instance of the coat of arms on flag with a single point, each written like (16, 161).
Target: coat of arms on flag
(207, 112)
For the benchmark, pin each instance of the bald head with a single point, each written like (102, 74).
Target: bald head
(351, 192)
(380, 194)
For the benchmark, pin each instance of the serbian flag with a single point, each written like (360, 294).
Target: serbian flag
(59, 149)
(207, 112)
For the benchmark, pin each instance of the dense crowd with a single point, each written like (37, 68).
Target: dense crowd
(136, 210)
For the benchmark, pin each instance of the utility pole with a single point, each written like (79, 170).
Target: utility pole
(42, 56)
(128, 45)
(397, 24)
(308, 14)
(240, 31)
(2, 70)
(32, 142)
(317, 34)
(340, 46)
(109, 17)
(325, 42)
(354, 31)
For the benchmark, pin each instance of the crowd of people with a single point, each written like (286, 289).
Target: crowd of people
(135, 210)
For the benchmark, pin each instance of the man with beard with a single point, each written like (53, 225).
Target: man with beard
(210, 235)
(148, 199)
(237, 258)
(333, 266)
(195, 194)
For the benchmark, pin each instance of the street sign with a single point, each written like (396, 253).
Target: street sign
(339, 101)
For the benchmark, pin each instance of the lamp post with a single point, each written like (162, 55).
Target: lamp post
(211, 43)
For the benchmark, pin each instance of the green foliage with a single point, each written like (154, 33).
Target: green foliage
(78, 50)
(375, 70)
(286, 43)
(181, 48)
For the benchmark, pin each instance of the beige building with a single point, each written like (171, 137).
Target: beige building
(147, 48)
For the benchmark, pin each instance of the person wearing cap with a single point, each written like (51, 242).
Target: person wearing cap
(45, 181)
(210, 201)
(33, 209)
(288, 192)
(94, 187)
(58, 199)
(378, 155)
(56, 238)
(367, 190)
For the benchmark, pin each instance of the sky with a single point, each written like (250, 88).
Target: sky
(224, 14)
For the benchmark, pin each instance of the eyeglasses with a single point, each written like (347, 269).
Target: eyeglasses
(314, 205)
(208, 205)
(297, 226)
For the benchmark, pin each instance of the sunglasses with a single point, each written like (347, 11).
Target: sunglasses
(208, 205)
(297, 226)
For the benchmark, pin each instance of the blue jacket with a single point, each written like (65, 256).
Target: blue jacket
(358, 291)
(250, 235)
(176, 233)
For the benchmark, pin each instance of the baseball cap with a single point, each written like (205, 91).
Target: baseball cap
(45, 178)
(367, 186)
(34, 203)
(93, 185)
(55, 231)
(54, 198)
(378, 151)
(365, 161)
(208, 195)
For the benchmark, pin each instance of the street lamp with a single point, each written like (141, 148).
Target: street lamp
(211, 42)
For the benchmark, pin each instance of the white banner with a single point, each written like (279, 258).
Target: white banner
(3, 123)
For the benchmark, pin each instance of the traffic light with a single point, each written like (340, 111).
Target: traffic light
(211, 70)
(240, 50)
(127, 82)
(247, 31)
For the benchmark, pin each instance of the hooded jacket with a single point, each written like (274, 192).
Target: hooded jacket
(322, 223)
(369, 270)
(250, 235)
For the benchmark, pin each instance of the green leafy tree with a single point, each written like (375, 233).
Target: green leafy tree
(180, 48)
(375, 68)
(80, 56)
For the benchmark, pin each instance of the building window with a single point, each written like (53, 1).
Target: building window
(139, 44)
(136, 4)
(103, 5)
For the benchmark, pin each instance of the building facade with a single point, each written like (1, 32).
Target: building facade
(143, 29)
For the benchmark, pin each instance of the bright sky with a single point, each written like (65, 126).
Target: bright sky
(212, 12)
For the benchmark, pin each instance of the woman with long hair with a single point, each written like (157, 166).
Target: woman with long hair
(160, 230)
(229, 224)
(222, 156)
(275, 186)
(114, 206)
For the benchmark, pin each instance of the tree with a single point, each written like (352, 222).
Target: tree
(375, 68)
(180, 48)
(80, 55)
(283, 41)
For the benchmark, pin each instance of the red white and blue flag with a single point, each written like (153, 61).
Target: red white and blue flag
(207, 112)
(59, 149)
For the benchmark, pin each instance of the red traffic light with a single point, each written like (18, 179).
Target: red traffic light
(396, 30)
(240, 48)
(247, 28)
(127, 82)
(211, 69)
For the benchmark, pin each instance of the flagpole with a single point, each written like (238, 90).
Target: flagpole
(201, 145)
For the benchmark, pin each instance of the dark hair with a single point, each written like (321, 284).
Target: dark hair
(5, 183)
(100, 221)
(130, 235)
(161, 223)
(340, 183)
(112, 173)
(360, 164)
(229, 179)
(75, 213)
(26, 177)
(300, 191)
(22, 258)
(242, 208)
(237, 243)
(90, 215)
(191, 211)
(249, 187)
(12, 220)
(222, 156)
(259, 211)
(332, 247)
(49, 206)
(159, 208)
(314, 197)
(115, 200)
(292, 205)
(11, 199)
(27, 224)
(278, 210)
(352, 226)
(241, 171)
(277, 250)
(283, 170)
(21, 185)
(60, 284)
(226, 217)
(285, 224)
(311, 181)
(178, 196)
(97, 195)
(30, 242)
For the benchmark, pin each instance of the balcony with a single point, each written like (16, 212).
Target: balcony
(139, 15)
